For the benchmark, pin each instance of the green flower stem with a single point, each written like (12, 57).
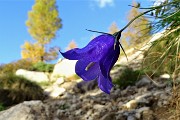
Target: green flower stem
(155, 7)
(151, 9)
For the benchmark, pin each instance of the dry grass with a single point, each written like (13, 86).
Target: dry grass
(175, 104)
(172, 110)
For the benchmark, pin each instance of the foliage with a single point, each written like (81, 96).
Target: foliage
(36, 53)
(2, 107)
(64, 106)
(42, 67)
(14, 89)
(71, 45)
(32, 51)
(51, 54)
(13, 66)
(128, 77)
(43, 23)
(166, 16)
(163, 55)
(113, 28)
(139, 30)
(175, 104)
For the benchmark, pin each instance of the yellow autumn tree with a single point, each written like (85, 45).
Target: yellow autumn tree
(32, 51)
(43, 23)
(139, 30)
(71, 45)
(113, 28)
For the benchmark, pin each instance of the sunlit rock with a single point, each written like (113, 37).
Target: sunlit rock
(32, 75)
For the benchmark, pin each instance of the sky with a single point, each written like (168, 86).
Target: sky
(76, 15)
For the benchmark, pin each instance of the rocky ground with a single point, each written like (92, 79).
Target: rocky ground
(139, 102)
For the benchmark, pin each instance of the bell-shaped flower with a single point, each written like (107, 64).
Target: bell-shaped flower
(96, 60)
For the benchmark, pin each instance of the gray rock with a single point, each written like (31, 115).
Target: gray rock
(64, 68)
(33, 76)
(54, 91)
(143, 82)
(85, 86)
(109, 116)
(131, 118)
(121, 117)
(137, 115)
(140, 110)
(59, 81)
(28, 110)
(98, 107)
(132, 104)
(148, 115)
(165, 76)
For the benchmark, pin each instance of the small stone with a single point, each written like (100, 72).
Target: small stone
(138, 115)
(131, 118)
(165, 76)
(158, 93)
(165, 102)
(147, 115)
(131, 104)
(160, 104)
(143, 82)
(98, 107)
(78, 112)
(56, 92)
(108, 116)
(120, 104)
(140, 110)
(59, 81)
(121, 117)
(56, 118)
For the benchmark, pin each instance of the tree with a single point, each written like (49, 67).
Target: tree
(43, 22)
(139, 30)
(113, 28)
(52, 53)
(71, 45)
(32, 51)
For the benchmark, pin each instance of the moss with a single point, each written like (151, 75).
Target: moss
(14, 89)
(42, 67)
(128, 77)
(2, 107)
(13, 66)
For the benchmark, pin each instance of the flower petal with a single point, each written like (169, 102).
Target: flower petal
(108, 62)
(94, 51)
(74, 54)
(87, 70)
(105, 84)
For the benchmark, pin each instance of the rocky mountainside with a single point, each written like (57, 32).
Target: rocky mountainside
(138, 102)
(79, 100)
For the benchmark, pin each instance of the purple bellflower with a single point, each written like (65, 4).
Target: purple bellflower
(97, 59)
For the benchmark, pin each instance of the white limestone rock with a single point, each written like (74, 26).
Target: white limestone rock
(32, 75)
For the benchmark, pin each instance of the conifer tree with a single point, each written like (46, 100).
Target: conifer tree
(139, 30)
(43, 22)
(113, 28)
(71, 45)
(32, 51)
